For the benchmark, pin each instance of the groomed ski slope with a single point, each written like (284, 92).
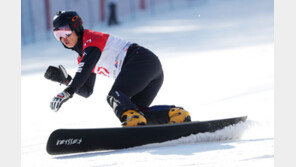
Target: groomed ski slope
(218, 59)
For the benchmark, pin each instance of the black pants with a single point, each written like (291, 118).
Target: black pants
(138, 82)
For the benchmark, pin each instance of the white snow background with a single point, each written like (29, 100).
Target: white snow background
(218, 60)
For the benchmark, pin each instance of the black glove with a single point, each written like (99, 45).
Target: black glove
(58, 75)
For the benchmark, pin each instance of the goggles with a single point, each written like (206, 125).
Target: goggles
(62, 32)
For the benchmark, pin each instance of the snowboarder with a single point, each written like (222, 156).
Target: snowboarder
(137, 72)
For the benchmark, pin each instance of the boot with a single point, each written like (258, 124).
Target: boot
(178, 115)
(132, 118)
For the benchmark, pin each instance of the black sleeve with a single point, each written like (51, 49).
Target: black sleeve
(89, 61)
(87, 89)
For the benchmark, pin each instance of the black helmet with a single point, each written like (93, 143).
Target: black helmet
(70, 18)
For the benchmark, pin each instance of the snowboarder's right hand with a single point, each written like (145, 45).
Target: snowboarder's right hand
(58, 75)
(58, 100)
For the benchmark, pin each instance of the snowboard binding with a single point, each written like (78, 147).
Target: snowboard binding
(132, 118)
(178, 115)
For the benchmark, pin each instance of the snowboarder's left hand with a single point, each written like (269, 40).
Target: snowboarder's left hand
(58, 100)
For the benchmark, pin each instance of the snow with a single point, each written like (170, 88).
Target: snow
(218, 60)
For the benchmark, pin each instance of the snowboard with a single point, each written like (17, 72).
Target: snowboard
(68, 141)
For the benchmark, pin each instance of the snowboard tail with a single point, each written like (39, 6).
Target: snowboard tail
(66, 141)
